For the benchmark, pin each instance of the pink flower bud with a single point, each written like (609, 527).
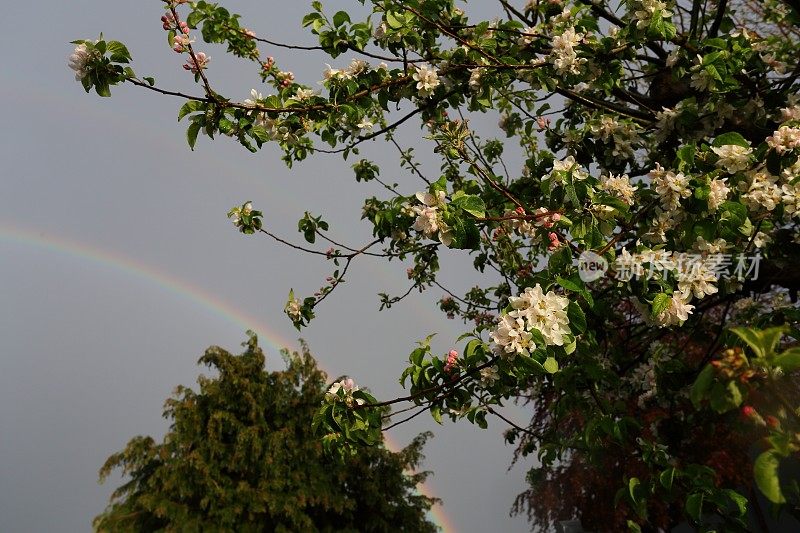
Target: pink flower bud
(452, 359)
(543, 123)
(555, 217)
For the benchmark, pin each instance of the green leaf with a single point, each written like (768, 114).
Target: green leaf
(730, 138)
(694, 505)
(311, 18)
(765, 471)
(762, 342)
(685, 156)
(560, 259)
(190, 107)
(633, 527)
(550, 365)
(471, 204)
(667, 477)
(191, 134)
(789, 360)
(633, 490)
(577, 318)
(725, 397)
(701, 385)
(466, 235)
(660, 303)
(395, 20)
(119, 52)
(570, 348)
(436, 413)
(340, 18)
(569, 285)
(739, 501)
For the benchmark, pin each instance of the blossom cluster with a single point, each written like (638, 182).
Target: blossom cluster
(564, 56)
(532, 310)
(353, 70)
(343, 391)
(427, 80)
(80, 60)
(429, 220)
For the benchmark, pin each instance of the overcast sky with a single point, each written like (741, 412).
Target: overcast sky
(118, 266)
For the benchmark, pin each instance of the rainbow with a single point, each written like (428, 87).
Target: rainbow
(179, 287)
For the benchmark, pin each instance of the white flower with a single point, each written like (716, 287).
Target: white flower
(670, 186)
(431, 199)
(619, 186)
(427, 80)
(475, 78)
(79, 61)
(255, 96)
(718, 193)
(510, 337)
(791, 199)
(365, 124)
(761, 239)
(356, 67)
(701, 80)
(647, 9)
(544, 312)
(785, 139)
(519, 225)
(428, 221)
(294, 309)
(665, 121)
(331, 73)
(673, 57)
(705, 247)
(304, 94)
(489, 375)
(348, 387)
(695, 279)
(563, 55)
(380, 31)
(181, 42)
(527, 36)
(197, 63)
(567, 40)
(605, 129)
(676, 313)
(733, 158)
(665, 220)
(567, 165)
(763, 192)
(792, 109)
(775, 64)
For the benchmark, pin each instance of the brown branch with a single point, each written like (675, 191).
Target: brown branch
(437, 388)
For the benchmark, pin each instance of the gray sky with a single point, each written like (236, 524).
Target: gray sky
(114, 245)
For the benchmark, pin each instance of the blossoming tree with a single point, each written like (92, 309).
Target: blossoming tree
(638, 262)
